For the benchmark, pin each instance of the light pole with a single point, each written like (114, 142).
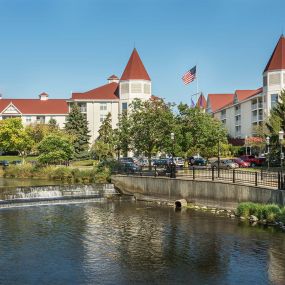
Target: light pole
(268, 143)
(172, 172)
(281, 137)
(219, 157)
(245, 142)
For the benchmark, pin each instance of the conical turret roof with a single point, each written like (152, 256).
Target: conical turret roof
(277, 59)
(135, 68)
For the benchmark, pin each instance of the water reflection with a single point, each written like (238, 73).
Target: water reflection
(134, 243)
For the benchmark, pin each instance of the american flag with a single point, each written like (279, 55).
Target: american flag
(189, 76)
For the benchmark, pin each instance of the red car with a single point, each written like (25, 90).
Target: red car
(241, 163)
(254, 161)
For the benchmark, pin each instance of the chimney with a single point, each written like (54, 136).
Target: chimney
(43, 96)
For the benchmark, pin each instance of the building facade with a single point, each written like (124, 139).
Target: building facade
(244, 110)
(113, 97)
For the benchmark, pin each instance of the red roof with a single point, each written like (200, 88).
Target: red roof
(244, 94)
(201, 103)
(36, 106)
(218, 101)
(277, 59)
(135, 68)
(105, 92)
(113, 77)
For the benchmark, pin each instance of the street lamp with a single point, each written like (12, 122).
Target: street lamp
(172, 172)
(267, 143)
(281, 137)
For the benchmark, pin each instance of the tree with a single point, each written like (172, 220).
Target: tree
(122, 135)
(104, 146)
(152, 122)
(77, 126)
(201, 133)
(13, 137)
(55, 148)
(52, 125)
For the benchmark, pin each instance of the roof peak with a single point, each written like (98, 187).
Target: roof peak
(277, 59)
(135, 68)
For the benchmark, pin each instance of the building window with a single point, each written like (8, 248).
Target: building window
(103, 106)
(264, 80)
(40, 119)
(28, 119)
(82, 107)
(125, 88)
(102, 118)
(146, 88)
(274, 79)
(274, 100)
(124, 106)
(136, 88)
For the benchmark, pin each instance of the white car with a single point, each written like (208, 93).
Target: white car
(179, 161)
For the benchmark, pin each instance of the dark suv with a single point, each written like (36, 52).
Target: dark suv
(193, 161)
(4, 163)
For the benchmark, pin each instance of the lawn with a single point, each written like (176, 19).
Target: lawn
(15, 157)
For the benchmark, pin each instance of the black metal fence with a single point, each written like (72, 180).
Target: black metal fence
(260, 178)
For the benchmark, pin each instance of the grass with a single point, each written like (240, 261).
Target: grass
(11, 158)
(268, 212)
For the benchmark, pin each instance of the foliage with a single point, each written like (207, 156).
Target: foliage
(122, 135)
(19, 171)
(200, 132)
(152, 122)
(52, 125)
(269, 212)
(54, 149)
(77, 126)
(13, 137)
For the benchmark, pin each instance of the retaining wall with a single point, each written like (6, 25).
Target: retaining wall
(208, 193)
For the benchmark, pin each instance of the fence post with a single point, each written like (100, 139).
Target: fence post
(193, 172)
(155, 171)
(261, 174)
(234, 176)
(255, 178)
(279, 184)
(213, 174)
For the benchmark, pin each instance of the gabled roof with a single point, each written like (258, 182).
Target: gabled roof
(245, 94)
(277, 59)
(135, 68)
(201, 103)
(105, 92)
(218, 101)
(36, 106)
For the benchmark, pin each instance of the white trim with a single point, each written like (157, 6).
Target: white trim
(11, 104)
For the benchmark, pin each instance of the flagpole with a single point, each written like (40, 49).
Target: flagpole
(197, 85)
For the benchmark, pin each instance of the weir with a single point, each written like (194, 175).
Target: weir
(16, 195)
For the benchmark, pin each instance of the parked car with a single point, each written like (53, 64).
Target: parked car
(129, 167)
(15, 162)
(143, 162)
(241, 163)
(126, 159)
(162, 162)
(225, 164)
(196, 160)
(254, 161)
(179, 161)
(4, 163)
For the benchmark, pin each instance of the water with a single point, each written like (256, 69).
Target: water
(123, 242)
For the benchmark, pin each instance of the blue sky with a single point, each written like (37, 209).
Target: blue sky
(60, 46)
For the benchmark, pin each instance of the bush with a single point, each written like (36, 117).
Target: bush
(247, 209)
(19, 171)
(62, 173)
(281, 216)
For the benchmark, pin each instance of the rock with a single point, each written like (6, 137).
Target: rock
(232, 216)
(281, 224)
(254, 224)
(204, 208)
(253, 218)
(242, 218)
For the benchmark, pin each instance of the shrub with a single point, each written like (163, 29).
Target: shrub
(246, 209)
(271, 212)
(19, 171)
(281, 216)
(61, 173)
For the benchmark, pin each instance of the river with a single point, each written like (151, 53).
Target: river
(127, 242)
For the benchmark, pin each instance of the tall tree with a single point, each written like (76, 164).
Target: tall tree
(13, 137)
(123, 134)
(152, 122)
(104, 146)
(200, 132)
(77, 126)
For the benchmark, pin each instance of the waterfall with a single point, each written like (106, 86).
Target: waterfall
(11, 195)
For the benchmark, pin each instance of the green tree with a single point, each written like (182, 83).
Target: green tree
(13, 137)
(55, 148)
(52, 125)
(104, 146)
(122, 135)
(77, 126)
(201, 133)
(152, 122)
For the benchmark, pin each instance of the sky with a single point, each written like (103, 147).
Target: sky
(65, 46)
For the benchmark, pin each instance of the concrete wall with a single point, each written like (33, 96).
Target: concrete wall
(213, 194)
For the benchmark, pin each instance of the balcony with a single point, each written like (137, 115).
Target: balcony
(254, 118)
(254, 106)
(238, 122)
(237, 112)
